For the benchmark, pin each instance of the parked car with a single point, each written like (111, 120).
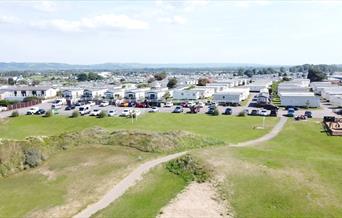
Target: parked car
(2, 108)
(264, 113)
(194, 109)
(308, 114)
(104, 104)
(111, 113)
(200, 104)
(136, 112)
(70, 107)
(124, 104)
(184, 104)
(291, 112)
(211, 110)
(84, 110)
(153, 109)
(32, 110)
(273, 113)
(40, 112)
(270, 107)
(254, 112)
(141, 105)
(191, 104)
(57, 104)
(95, 112)
(300, 117)
(126, 112)
(92, 103)
(178, 109)
(168, 104)
(79, 103)
(289, 107)
(228, 111)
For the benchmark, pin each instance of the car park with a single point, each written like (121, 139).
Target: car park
(40, 112)
(228, 111)
(153, 110)
(194, 109)
(92, 103)
(111, 113)
(211, 110)
(104, 104)
(32, 110)
(200, 104)
(178, 109)
(95, 112)
(255, 112)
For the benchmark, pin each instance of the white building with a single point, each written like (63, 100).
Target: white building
(300, 99)
(72, 93)
(317, 87)
(93, 93)
(259, 84)
(205, 92)
(233, 95)
(114, 93)
(336, 100)
(184, 94)
(328, 92)
(18, 93)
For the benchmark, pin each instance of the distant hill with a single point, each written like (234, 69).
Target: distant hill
(15, 66)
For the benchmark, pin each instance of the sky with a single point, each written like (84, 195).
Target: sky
(160, 31)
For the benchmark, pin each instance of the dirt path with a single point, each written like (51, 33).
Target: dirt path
(274, 132)
(120, 188)
(198, 200)
(136, 175)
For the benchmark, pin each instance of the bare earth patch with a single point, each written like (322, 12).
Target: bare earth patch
(197, 200)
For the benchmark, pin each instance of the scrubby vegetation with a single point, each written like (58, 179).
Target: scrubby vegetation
(15, 114)
(189, 169)
(75, 114)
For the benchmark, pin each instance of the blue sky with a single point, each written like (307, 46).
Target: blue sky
(157, 31)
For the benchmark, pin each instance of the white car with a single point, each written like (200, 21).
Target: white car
(154, 109)
(95, 112)
(168, 104)
(3, 108)
(91, 103)
(84, 110)
(126, 112)
(111, 113)
(32, 110)
(200, 104)
(264, 113)
(137, 112)
(191, 104)
(104, 104)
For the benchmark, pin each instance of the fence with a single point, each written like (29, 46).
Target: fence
(23, 104)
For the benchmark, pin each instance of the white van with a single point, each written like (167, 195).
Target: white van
(84, 110)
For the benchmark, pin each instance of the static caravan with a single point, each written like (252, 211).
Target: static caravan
(93, 93)
(336, 100)
(231, 96)
(205, 92)
(72, 93)
(155, 94)
(300, 99)
(326, 93)
(114, 94)
(317, 87)
(18, 93)
(259, 84)
(184, 94)
(135, 94)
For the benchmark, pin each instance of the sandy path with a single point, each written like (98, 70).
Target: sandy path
(120, 188)
(198, 200)
(274, 132)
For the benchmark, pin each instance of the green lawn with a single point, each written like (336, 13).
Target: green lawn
(230, 129)
(71, 179)
(297, 174)
(146, 198)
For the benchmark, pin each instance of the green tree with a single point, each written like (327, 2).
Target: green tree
(172, 83)
(315, 75)
(82, 77)
(203, 81)
(10, 81)
(160, 76)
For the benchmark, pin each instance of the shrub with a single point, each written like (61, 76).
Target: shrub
(15, 114)
(216, 112)
(242, 114)
(48, 113)
(188, 168)
(33, 157)
(102, 114)
(75, 114)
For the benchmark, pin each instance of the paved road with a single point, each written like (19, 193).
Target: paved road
(124, 185)
(119, 189)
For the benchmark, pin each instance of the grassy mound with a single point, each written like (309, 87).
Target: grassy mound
(19, 155)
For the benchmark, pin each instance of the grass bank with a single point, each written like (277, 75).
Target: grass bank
(297, 174)
(229, 129)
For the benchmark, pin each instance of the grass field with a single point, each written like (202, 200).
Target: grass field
(146, 198)
(230, 129)
(297, 174)
(68, 181)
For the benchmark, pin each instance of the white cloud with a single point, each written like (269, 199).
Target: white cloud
(8, 20)
(106, 21)
(173, 20)
(46, 6)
